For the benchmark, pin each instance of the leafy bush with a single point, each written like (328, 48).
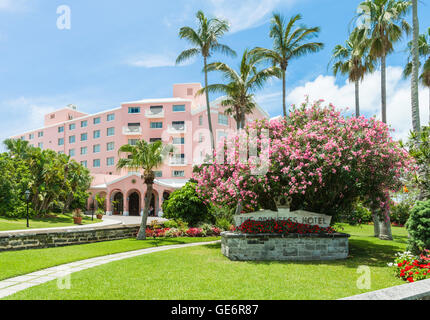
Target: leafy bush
(358, 215)
(418, 226)
(177, 224)
(223, 224)
(400, 213)
(185, 204)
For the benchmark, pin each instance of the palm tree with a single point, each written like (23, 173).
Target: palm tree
(416, 124)
(146, 156)
(289, 42)
(352, 60)
(239, 90)
(386, 27)
(205, 43)
(423, 52)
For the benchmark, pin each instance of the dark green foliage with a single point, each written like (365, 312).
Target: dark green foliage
(400, 212)
(418, 226)
(359, 214)
(185, 204)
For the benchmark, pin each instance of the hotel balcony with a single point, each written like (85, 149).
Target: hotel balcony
(177, 129)
(154, 115)
(132, 131)
(178, 162)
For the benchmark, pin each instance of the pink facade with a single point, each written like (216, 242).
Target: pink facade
(94, 140)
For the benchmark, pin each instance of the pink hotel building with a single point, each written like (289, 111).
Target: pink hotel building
(93, 140)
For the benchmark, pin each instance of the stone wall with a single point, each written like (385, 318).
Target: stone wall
(291, 247)
(48, 239)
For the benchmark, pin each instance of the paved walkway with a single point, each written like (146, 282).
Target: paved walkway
(14, 285)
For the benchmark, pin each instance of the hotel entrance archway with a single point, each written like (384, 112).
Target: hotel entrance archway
(134, 204)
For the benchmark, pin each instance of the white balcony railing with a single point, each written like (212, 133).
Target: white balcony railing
(177, 129)
(154, 115)
(177, 162)
(132, 131)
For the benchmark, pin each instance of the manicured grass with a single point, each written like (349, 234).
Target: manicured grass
(15, 263)
(204, 273)
(61, 220)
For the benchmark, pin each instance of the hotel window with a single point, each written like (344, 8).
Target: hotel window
(111, 117)
(179, 108)
(31, 136)
(222, 119)
(84, 136)
(96, 148)
(96, 134)
(72, 152)
(84, 124)
(222, 134)
(110, 146)
(156, 125)
(40, 145)
(156, 109)
(110, 132)
(96, 163)
(179, 140)
(60, 129)
(110, 161)
(201, 137)
(151, 140)
(72, 126)
(132, 142)
(200, 120)
(178, 125)
(72, 139)
(96, 120)
(84, 164)
(134, 110)
(178, 159)
(40, 134)
(178, 174)
(61, 141)
(84, 150)
(158, 174)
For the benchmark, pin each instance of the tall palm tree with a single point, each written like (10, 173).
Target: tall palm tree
(424, 53)
(289, 42)
(205, 43)
(386, 27)
(416, 124)
(241, 85)
(147, 157)
(353, 60)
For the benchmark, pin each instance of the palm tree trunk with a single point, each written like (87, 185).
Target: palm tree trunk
(142, 231)
(209, 109)
(416, 125)
(284, 104)
(357, 98)
(384, 88)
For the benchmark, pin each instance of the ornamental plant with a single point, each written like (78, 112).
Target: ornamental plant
(418, 226)
(281, 227)
(316, 156)
(412, 268)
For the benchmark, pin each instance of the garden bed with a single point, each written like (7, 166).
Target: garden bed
(284, 247)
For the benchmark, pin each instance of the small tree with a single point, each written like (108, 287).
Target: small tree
(418, 226)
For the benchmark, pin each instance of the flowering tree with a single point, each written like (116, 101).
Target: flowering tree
(317, 157)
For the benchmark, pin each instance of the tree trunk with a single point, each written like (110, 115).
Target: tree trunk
(209, 110)
(142, 231)
(416, 125)
(284, 103)
(238, 208)
(385, 229)
(357, 98)
(376, 229)
(384, 88)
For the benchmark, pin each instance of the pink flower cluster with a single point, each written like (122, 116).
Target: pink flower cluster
(318, 157)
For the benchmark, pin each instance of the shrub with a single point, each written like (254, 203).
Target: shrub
(185, 204)
(411, 268)
(358, 215)
(280, 227)
(177, 224)
(196, 232)
(210, 230)
(223, 224)
(418, 226)
(400, 213)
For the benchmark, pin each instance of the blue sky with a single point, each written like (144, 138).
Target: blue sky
(120, 51)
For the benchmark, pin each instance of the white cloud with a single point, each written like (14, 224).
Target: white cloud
(13, 5)
(245, 14)
(154, 61)
(398, 98)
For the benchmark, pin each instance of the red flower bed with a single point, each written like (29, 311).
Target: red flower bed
(411, 268)
(281, 227)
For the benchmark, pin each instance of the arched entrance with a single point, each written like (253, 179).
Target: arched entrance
(134, 204)
(153, 204)
(118, 204)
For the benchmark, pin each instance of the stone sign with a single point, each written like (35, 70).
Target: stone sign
(299, 216)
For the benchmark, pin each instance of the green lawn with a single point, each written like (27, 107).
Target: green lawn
(15, 263)
(204, 273)
(61, 220)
